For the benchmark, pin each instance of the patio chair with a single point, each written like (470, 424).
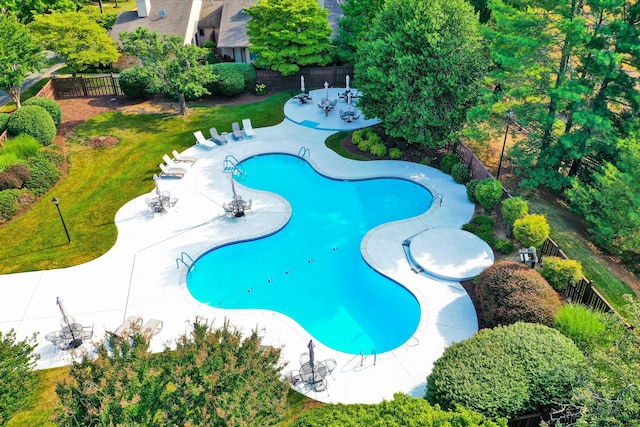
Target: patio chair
(168, 161)
(228, 211)
(151, 328)
(247, 206)
(217, 138)
(331, 364)
(237, 133)
(248, 128)
(177, 157)
(320, 386)
(126, 329)
(56, 340)
(87, 332)
(171, 171)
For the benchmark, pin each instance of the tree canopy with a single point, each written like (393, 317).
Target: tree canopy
(288, 34)
(175, 68)
(419, 68)
(354, 25)
(17, 380)
(19, 55)
(213, 377)
(76, 38)
(25, 10)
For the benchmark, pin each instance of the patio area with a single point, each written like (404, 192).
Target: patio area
(144, 274)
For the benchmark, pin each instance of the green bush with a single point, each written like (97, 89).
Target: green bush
(395, 153)
(402, 411)
(137, 82)
(460, 173)
(504, 247)
(561, 272)
(35, 121)
(509, 292)
(365, 145)
(211, 57)
(9, 204)
(514, 208)
(378, 149)
(7, 159)
(261, 89)
(44, 174)
(482, 226)
(426, 161)
(50, 105)
(248, 73)
(447, 162)
(229, 81)
(471, 190)
(9, 181)
(358, 136)
(488, 193)
(532, 230)
(16, 376)
(23, 146)
(582, 324)
(483, 220)
(4, 119)
(506, 371)
(53, 154)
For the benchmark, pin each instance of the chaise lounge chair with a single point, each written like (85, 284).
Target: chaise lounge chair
(237, 133)
(200, 139)
(216, 137)
(248, 128)
(171, 171)
(151, 328)
(177, 157)
(127, 328)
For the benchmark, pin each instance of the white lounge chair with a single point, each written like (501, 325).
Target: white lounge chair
(171, 171)
(216, 137)
(127, 328)
(168, 161)
(237, 133)
(151, 328)
(177, 157)
(247, 127)
(200, 139)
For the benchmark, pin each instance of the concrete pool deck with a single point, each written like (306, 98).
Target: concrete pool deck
(139, 275)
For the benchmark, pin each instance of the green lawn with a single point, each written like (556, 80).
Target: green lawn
(26, 94)
(101, 180)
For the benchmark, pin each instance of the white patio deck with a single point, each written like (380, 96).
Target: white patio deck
(139, 275)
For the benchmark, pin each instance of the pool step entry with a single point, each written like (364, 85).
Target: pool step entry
(437, 197)
(230, 165)
(373, 353)
(304, 151)
(184, 257)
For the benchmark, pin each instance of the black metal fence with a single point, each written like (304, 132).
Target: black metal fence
(86, 87)
(314, 77)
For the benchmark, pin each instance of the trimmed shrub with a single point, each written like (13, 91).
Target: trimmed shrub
(211, 57)
(506, 371)
(482, 226)
(365, 145)
(44, 174)
(261, 89)
(471, 190)
(35, 121)
(4, 119)
(582, 324)
(532, 230)
(460, 173)
(447, 162)
(488, 193)
(378, 149)
(395, 153)
(50, 105)
(483, 220)
(514, 208)
(561, 272)
(509, 292)
(9, 204)
(9, 181)
(23, 146)
(230, 79)
(248, 73)
(137, 82)
(358, 136)
(504, 246)
(19, 171)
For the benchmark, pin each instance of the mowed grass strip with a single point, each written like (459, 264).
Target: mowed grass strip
(101, 180)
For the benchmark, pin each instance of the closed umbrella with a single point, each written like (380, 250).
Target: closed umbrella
(156, 181)
(348, 83)
(310, 346)
(70, 324)
(67, 320)
(326, 91)
(302, 83)
(349, 102)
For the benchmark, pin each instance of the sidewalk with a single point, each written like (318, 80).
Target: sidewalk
(32, 79)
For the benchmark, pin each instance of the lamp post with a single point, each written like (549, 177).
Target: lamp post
(57, 203)
(510, 114)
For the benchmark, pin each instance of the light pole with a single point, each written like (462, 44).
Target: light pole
(57, 203)
(510, 114)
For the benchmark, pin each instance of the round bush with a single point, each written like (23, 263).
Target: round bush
(460, 173)
(506, 371)
(514, 208)
(378, 149)
(4, 119)
(532, 230)
(229, 80)
(447, 162)
(50, 105)
(395, 153)
(509, 292)
(358, 136)
(471, 190)
(365, 145)
(135, 82)
(9, 204)
(35, 121)
(561, 272)
(488, 193)
(44, 174)
(9, 181)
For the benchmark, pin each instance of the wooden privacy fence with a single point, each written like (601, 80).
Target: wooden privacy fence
(314, 77)
(86, 87)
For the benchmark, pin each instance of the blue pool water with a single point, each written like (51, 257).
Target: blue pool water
(312, 269)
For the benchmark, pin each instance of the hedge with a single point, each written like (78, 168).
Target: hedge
(35, 121)
(50, 105)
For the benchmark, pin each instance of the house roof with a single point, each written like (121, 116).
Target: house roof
(176, 19)
(233, 30)
(211, 14)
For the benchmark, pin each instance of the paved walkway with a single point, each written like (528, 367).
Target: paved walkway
(139, 275)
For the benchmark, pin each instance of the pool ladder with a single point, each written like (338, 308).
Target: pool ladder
(373, 353)
(304, 151)
(230, 165)
(437, 196)
(184, 255)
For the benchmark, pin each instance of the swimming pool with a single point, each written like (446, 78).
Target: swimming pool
(312, 270)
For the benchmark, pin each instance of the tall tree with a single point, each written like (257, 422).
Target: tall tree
(19, 55)
(178, 69)
(354, 25)
(76, 38)
(419, 68)
(289, 34)
(25, 10)
(17, 380)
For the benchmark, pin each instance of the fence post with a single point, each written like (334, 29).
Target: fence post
(83, 84)
(113, 85)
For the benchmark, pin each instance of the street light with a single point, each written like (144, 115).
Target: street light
(57, 203)
(510, 115)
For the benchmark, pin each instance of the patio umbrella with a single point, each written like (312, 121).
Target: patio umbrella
(310, 346)
(156, 181)
(349, 101)
(348, 82)
(326, 91)
(68, 320)
(302, 83)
